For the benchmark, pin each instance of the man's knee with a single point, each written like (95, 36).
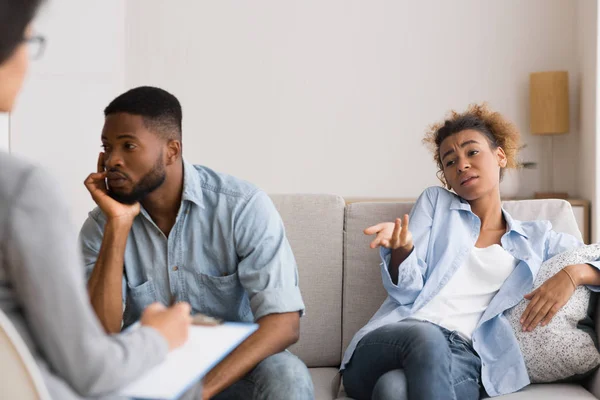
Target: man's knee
(283, 374)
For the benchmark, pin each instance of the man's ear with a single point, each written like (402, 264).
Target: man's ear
(173, 151)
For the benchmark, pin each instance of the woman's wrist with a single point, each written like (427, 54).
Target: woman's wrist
(583, 274)
(575, 272)
(404, 251)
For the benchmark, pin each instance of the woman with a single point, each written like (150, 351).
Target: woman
(41, 276)
(441, 333)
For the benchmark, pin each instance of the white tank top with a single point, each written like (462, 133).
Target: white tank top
(461, 303)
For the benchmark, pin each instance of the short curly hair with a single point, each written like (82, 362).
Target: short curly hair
(160, 110)
(498, 131)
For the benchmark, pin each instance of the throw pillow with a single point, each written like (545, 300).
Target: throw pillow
(559, 350)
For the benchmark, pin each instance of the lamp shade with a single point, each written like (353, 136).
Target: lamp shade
(549, 102)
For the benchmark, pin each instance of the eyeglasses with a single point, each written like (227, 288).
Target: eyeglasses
(35, 45)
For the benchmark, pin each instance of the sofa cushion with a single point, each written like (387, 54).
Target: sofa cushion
(554, 391)
(326, 382)
(363, 290)
(538, 391)
(314, 227)
(559, 350)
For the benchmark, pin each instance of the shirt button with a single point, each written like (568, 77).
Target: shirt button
(175, 268)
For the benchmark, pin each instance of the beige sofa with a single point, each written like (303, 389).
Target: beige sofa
(341, 282)
(341, 286)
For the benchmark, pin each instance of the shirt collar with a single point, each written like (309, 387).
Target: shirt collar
(458, 203)
(513, 224)
(191, 185)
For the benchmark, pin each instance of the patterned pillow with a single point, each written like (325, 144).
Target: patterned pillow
(559, 350)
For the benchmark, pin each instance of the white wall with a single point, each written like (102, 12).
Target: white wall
(4, 131)
(58, 118)
(587, 40)
(335, 96)
(301, 96)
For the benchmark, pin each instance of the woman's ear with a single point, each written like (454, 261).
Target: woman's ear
(442, 178)
(501, 156)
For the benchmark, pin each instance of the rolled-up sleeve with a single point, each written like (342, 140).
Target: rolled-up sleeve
(267, 267)
(90, 241)
(411, 272)
(410, 279)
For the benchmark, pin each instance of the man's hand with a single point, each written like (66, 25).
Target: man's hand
(391, 235)
(96, 185)
(547, 300)
(172, 323)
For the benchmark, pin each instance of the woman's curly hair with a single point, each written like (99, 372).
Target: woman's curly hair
(498, 131)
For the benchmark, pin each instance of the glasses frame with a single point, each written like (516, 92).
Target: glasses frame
(38, 44)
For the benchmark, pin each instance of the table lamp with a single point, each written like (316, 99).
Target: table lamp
(549, 113)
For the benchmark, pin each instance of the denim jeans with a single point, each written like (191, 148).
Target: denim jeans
(413, 360)
(281, 376)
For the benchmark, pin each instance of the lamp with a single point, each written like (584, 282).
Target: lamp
(549, 113)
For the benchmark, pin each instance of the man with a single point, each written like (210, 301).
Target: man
(168, 231)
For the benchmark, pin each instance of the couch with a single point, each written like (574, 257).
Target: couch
(341, 283)
(341, 286)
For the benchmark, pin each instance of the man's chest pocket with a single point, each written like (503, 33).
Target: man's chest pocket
(138, 298)
(222, 297)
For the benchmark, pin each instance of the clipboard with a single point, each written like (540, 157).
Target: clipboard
(183, 367)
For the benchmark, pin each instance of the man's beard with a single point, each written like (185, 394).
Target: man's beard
(148, 184)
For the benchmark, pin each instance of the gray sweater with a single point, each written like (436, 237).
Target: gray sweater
(42, 290)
